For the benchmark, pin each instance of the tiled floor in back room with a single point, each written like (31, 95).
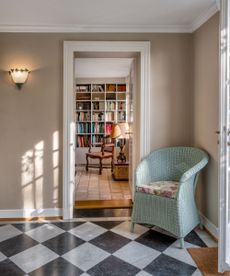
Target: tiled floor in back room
(92, 186)
(97, 247)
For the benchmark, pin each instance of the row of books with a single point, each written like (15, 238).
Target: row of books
(83, 97)
(121, 88)
(121, 105)
(98, 128)
(83, 128)
(86, 105)
(109, 116)
(110, 105)
(108, 128)
(83, 88)
(121, 116)
(97, 139)
(83, 141)
(98, 87)
(111, 87)
(83, 116)
(98, 116)
(98, 105)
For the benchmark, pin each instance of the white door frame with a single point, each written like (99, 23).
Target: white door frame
(224, 138)
(70, 48)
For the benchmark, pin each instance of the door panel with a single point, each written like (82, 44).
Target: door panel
(224, 145)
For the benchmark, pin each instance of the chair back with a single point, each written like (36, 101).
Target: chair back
(172, 163)
(107, 148)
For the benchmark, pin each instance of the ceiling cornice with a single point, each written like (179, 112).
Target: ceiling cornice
(201, 19)
(95, 28)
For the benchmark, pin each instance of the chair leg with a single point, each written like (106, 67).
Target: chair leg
(100, 170)
(201, 226)
(201, 223)
(132, 227)
(182, 243)
(87, 164)
(112, 165)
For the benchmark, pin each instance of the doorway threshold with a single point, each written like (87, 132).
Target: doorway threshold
(102, 204)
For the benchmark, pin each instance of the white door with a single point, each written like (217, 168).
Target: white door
(224, 140)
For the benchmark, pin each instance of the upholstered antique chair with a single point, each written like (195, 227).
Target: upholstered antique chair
(165, 183)
(106, 152)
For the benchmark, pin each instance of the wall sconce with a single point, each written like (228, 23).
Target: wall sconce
(19, 76)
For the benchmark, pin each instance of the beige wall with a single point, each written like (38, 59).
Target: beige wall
(205, 112)
(31, 119)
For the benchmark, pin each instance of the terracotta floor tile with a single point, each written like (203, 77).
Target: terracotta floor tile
(92, 186)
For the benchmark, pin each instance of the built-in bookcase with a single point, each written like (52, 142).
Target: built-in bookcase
(98, 106)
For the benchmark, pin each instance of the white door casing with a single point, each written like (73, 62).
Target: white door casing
(70, 48)
(224, 140)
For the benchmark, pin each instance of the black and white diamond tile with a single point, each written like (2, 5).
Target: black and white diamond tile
(86, 256)
(166, 265)
(8, 231)
(97, 248)
(44, 232)
(87, 231)
(110, 241)
(67, 226)
(17, 244)
(63, 243)
(57, 267)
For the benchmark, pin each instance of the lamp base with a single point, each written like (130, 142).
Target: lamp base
(121, 157)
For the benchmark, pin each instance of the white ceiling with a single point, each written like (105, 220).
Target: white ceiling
(104, 15)
(102, 67)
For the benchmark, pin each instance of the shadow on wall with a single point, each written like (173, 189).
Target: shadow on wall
(32, 176)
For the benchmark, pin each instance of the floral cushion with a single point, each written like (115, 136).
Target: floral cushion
(160, 188)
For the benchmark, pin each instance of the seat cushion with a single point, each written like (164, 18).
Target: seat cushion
(159, 188)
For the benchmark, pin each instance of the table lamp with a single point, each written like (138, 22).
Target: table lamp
(120, 131)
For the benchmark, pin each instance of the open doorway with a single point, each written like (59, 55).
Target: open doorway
(141, 131)
(104, 90)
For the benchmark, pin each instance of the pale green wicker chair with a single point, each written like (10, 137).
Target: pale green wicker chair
(177, 215)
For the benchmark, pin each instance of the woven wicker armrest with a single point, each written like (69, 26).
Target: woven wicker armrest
(194, 170)
(143, 173)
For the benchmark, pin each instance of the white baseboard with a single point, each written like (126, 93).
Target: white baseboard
(29, 213)
(209, 226)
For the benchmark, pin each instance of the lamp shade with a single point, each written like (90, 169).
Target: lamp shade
(116, 131)
(19, 76)
(124, 127)
(120, 130)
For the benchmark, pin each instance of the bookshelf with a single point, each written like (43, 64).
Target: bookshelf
(98, 106)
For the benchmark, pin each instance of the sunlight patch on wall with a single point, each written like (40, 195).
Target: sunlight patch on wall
(38, 162)
(32, 177)
(27, 178)
(55, 166)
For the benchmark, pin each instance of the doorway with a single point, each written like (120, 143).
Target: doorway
(104, 89)
(69, 127)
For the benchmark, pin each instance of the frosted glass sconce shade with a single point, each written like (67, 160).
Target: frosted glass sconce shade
(19, 76)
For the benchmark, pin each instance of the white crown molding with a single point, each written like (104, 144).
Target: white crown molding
(187, 28)
(202, 18)
(94, 29)
(30, 213)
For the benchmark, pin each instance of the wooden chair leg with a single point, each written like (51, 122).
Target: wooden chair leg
(100, 170)
(87, 164)
(132, 227)
(112, 165)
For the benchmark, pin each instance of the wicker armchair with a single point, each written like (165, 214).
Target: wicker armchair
(177, 215)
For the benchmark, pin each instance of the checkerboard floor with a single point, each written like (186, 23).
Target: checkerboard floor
(95, 248)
